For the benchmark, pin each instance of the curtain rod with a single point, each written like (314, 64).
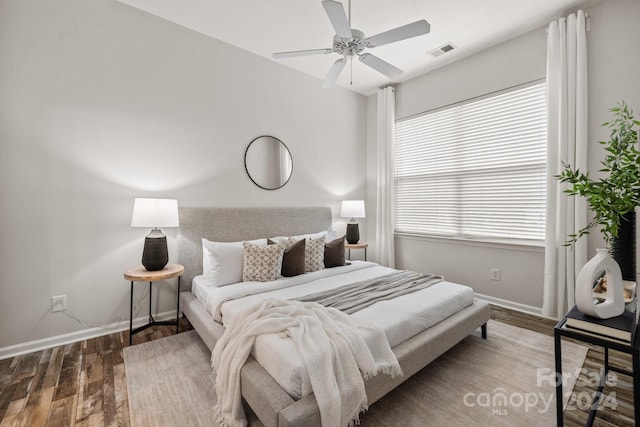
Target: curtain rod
(587, 23)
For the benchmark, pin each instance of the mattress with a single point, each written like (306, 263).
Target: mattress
(400, 318)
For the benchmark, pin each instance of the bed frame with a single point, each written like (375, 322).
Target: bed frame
(272, 404)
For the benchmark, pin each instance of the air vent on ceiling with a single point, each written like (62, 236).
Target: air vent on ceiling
(442, 49)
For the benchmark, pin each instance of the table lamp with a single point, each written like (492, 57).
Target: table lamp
(155, 213)
(352, 209)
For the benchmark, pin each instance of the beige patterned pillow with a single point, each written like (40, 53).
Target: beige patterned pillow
(314, 254)
(261, 263)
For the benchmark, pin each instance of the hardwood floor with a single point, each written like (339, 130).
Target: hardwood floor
(79, 384)
(84, 384)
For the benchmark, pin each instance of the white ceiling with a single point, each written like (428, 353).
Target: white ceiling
(267, 26)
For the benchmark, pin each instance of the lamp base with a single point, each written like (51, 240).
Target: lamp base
(155, 254)
(353, 233)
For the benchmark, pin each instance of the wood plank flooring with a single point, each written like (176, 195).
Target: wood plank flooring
(84, 383)
(80, 384)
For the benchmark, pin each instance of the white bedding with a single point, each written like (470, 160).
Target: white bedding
(399, 318)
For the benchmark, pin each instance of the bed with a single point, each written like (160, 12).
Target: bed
(271, 398)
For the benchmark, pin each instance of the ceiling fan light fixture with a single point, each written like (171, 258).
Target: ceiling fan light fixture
(349, 47)
(350, 42)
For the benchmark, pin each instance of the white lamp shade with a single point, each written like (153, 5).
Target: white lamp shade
(155, 213)
(352, 209)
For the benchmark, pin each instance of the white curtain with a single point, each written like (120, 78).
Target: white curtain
(385, 252)
(567, 142)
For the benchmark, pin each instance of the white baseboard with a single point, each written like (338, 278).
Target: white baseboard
(512, 305)
(58, 340)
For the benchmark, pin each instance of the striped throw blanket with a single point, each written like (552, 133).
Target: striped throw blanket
(359, 295)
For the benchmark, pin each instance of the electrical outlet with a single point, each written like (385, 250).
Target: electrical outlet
(58, 303)
(495, 274)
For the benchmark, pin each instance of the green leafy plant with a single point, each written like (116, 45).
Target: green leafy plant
(616, 194)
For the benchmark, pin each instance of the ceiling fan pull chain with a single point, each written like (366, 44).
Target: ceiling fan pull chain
(351, 78)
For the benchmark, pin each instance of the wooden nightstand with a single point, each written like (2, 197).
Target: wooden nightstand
(350, 246)
(140, 274)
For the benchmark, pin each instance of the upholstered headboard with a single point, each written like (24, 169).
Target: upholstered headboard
(236, 224)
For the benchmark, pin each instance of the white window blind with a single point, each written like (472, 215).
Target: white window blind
(474, 171)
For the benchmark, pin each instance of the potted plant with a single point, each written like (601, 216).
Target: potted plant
(612, 198)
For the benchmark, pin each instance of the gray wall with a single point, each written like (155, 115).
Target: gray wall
(614, 65)
(614, 74)
(101, 103)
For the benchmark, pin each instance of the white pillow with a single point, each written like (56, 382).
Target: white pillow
(222, 261)
(330, 236)
(324, 234)
(311, 235)
(280, 239)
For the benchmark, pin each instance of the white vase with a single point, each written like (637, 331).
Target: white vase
(613, 305)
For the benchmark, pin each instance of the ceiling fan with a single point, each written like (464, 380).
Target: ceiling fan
(351, 42)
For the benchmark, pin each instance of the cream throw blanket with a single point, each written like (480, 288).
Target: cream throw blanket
(334, 353)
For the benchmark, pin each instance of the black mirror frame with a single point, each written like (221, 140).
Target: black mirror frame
(247, 169)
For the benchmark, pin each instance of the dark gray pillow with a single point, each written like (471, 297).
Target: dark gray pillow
(334, 253)
(293, 260)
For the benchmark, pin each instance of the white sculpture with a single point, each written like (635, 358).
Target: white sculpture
(613, 305)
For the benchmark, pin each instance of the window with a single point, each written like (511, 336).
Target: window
(474, 171)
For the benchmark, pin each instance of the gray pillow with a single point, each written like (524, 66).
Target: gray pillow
(293, 259)
(334, 253)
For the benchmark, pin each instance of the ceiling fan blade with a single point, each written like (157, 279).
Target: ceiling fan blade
(335, 12)
(333, 73)
(301, 53)
(380, 66)
(414, 29)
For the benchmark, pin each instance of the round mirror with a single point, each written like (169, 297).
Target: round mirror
(268, 162)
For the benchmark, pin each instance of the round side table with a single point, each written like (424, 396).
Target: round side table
(350, 246)
(140, 274)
